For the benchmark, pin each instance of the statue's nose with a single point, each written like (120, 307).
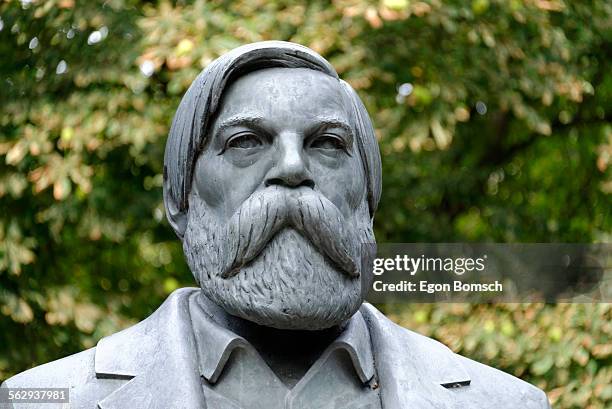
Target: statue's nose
(290, 168)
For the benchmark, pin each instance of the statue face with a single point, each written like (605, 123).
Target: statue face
(286, 127)
(277, 210)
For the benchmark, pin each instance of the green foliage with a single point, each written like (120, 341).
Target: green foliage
(493, 118)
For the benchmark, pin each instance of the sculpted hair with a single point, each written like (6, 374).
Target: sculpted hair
(188, 133)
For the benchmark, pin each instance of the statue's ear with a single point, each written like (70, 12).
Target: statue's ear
(176, 217)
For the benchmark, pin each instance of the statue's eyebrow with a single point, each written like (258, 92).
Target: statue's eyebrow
(332, 122)
(244, 120)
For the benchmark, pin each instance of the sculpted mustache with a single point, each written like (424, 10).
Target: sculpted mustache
(267, 212)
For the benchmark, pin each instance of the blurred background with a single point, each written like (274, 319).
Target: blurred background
(494, 121)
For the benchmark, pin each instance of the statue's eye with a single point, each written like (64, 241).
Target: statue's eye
(245, 140)
(328, 142)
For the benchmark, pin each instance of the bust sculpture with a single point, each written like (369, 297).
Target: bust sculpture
(272, 176)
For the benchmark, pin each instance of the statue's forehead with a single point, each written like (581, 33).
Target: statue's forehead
(285, 91)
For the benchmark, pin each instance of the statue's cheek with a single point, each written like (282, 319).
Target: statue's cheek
(223, 185)
(344, 186)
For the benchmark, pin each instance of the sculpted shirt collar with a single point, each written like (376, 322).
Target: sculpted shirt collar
(157, 361)
(216, 343)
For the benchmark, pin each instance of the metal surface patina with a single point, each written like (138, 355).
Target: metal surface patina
(272, 176)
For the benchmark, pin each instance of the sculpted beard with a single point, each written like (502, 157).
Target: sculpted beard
(287, 258)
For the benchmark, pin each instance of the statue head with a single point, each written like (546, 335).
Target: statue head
(272, 176)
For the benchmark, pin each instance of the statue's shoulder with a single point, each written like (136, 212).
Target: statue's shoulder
(62, 373)
(93, 374)
(493, 385)
(472, 384)
(75, 372)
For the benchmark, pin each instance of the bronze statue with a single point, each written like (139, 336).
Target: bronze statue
(272, 176)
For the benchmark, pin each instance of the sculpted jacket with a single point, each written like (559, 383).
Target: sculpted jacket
(154, 365)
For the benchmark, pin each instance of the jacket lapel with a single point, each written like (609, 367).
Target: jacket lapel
(158, 356)
(414, 372)
(158, 359)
